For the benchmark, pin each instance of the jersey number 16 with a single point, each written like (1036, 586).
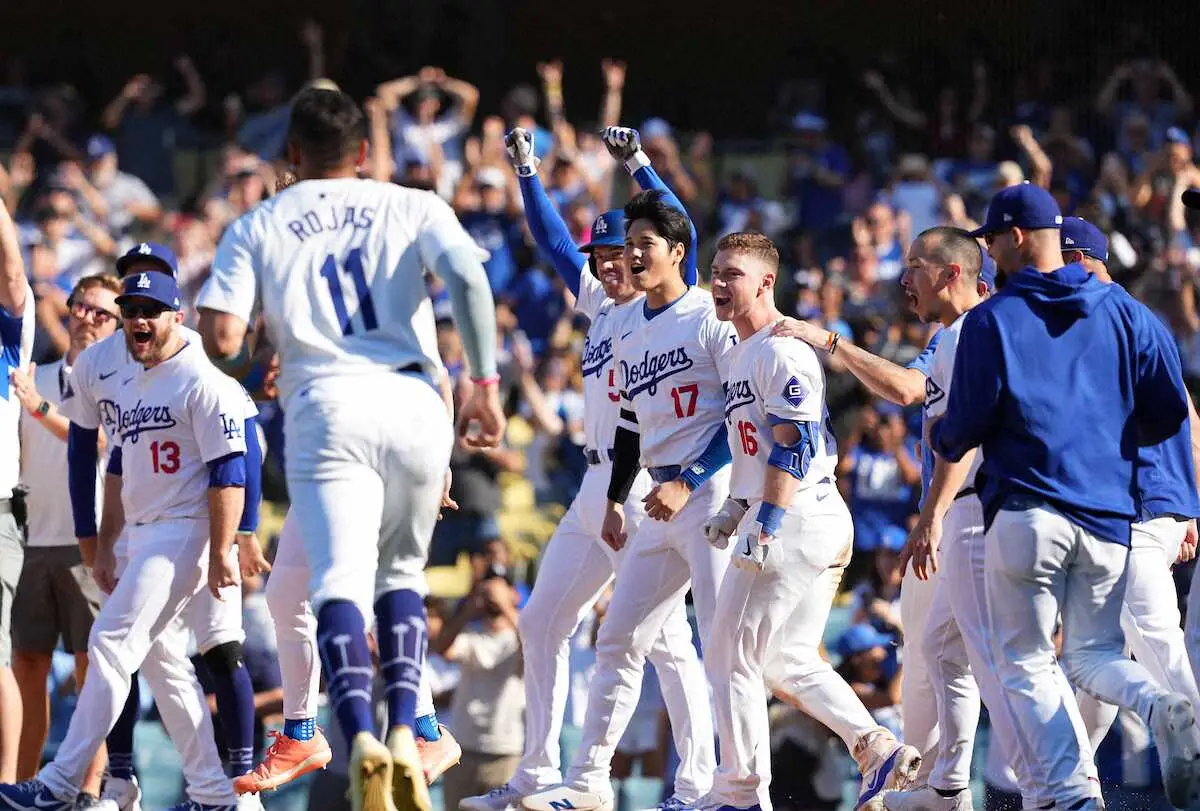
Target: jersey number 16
(353, 266)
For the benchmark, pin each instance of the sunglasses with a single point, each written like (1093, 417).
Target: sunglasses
(100, 316)
(147, 311)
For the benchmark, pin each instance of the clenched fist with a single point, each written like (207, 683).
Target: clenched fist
(622, 142)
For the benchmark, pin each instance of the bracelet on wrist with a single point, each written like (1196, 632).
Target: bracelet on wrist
(833, 344)
(492, 380)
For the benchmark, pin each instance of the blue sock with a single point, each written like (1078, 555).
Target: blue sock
(342, 640)
(300, 729)
(120, 739)
(235, 704)
(402, 638)
(427, 727)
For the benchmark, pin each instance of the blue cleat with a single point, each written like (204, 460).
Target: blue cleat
(32, 795)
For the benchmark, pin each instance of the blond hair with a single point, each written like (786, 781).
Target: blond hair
(754, 244)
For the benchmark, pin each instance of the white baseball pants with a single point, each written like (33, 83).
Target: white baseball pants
(918, 707)
(768, 626)
(1150, 619)
(661, 560)
(958, 650)
(137, 627)
(1039, 565)
(575, 568)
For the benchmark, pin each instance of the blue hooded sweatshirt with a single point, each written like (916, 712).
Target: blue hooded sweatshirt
(1059, 378)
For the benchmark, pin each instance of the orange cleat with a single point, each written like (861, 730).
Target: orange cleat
(438, 756)
(286, 759)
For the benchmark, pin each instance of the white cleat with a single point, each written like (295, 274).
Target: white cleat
(125, 794)
(896, 771)
(504, 798)
(925, 798)
(1174, 724)
(562, 798)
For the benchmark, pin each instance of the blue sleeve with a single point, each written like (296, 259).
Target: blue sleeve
(82, 457)
(972, 410)
(1160, 397)
(551, 233)
(714, 457)
(648, 179)
(115, 463)
(228, 471)
(249, 521)
(921, 362)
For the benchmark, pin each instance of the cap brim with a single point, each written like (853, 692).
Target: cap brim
(589, 247)
(127, 260)
(131, 296)
(981, 232)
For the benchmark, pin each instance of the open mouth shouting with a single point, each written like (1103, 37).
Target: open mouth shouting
(636, 266)
(142, 338)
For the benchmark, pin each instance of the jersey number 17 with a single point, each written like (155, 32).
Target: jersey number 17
(353, 267)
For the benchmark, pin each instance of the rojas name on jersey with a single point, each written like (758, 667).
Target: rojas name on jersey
(130, 423)
(646, 374)
(596, 356)
(737, 394)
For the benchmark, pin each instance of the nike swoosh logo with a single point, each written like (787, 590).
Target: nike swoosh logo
(877, 782)
(108, 375)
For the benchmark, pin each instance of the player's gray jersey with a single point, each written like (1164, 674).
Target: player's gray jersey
(937, 383)
(670, 365)
(338, 268)
(601, 393)
(773, 380)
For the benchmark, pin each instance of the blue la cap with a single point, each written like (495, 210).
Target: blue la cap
(607, 231)
(1080, 235)
(859, 638)
(151, 284)
(154, 252)
(1177, 135)
(1022, 206)
(987, 273)
(98, 146)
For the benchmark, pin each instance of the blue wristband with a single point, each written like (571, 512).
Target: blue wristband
(770, 516)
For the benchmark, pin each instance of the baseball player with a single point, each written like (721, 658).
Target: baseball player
(94, 383)
(793, 538)
(179, 429)
(16, 340)
(339, 263)
(1167, 506)
(670, 355)
(1057, 491)
(56, 595)
(577, 565)
(1191, 199)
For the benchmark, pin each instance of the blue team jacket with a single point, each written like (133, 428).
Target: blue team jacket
(1060, 378)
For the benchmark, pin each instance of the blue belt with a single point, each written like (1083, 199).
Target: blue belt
(665, 473)
(595, 457)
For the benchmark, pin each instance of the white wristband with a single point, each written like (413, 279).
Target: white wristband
(637, 160)
(527, 169)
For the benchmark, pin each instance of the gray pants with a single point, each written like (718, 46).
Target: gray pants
(12, 555)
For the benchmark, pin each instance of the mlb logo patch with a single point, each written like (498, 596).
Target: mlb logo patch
(1069, 241)
(1007, 217)
(793, 392)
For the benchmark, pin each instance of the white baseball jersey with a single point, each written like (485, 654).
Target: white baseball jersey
(670, 367)
(601, 393)
(171, 421)
(773, 380)
(339, 268)
(16, 350)
(937, 384)
(44, 468)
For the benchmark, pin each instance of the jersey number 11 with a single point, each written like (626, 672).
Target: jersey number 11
(353, 266)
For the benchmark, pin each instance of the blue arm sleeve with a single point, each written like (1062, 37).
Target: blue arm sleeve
(82, 457)
(253, 477)
(228, 471)
(972, 408)
(715, 456)
(648, 179)
(115, 466)
(551, 233)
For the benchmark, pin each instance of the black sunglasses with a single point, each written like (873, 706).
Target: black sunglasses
(147, 311)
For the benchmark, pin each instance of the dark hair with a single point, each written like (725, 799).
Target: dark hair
(947, 245)
(326, 126)
(669, 222)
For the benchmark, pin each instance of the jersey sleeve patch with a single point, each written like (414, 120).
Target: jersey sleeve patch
(793, 392)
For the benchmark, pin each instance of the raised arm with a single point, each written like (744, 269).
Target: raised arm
(467, 96)
(614, 85)
(397, 90)
(14, 288)
(196, 94)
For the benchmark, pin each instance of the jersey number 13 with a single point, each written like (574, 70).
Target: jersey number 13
(352, 267)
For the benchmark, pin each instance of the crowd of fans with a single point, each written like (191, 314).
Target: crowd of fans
(840, 197)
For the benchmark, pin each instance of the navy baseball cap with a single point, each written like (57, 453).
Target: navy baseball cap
(98, 146)
(1080, 235)
(1022, 206)
(987, 273)
(859, 638)
(607, 231)
(151, 284)
(154, 252)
